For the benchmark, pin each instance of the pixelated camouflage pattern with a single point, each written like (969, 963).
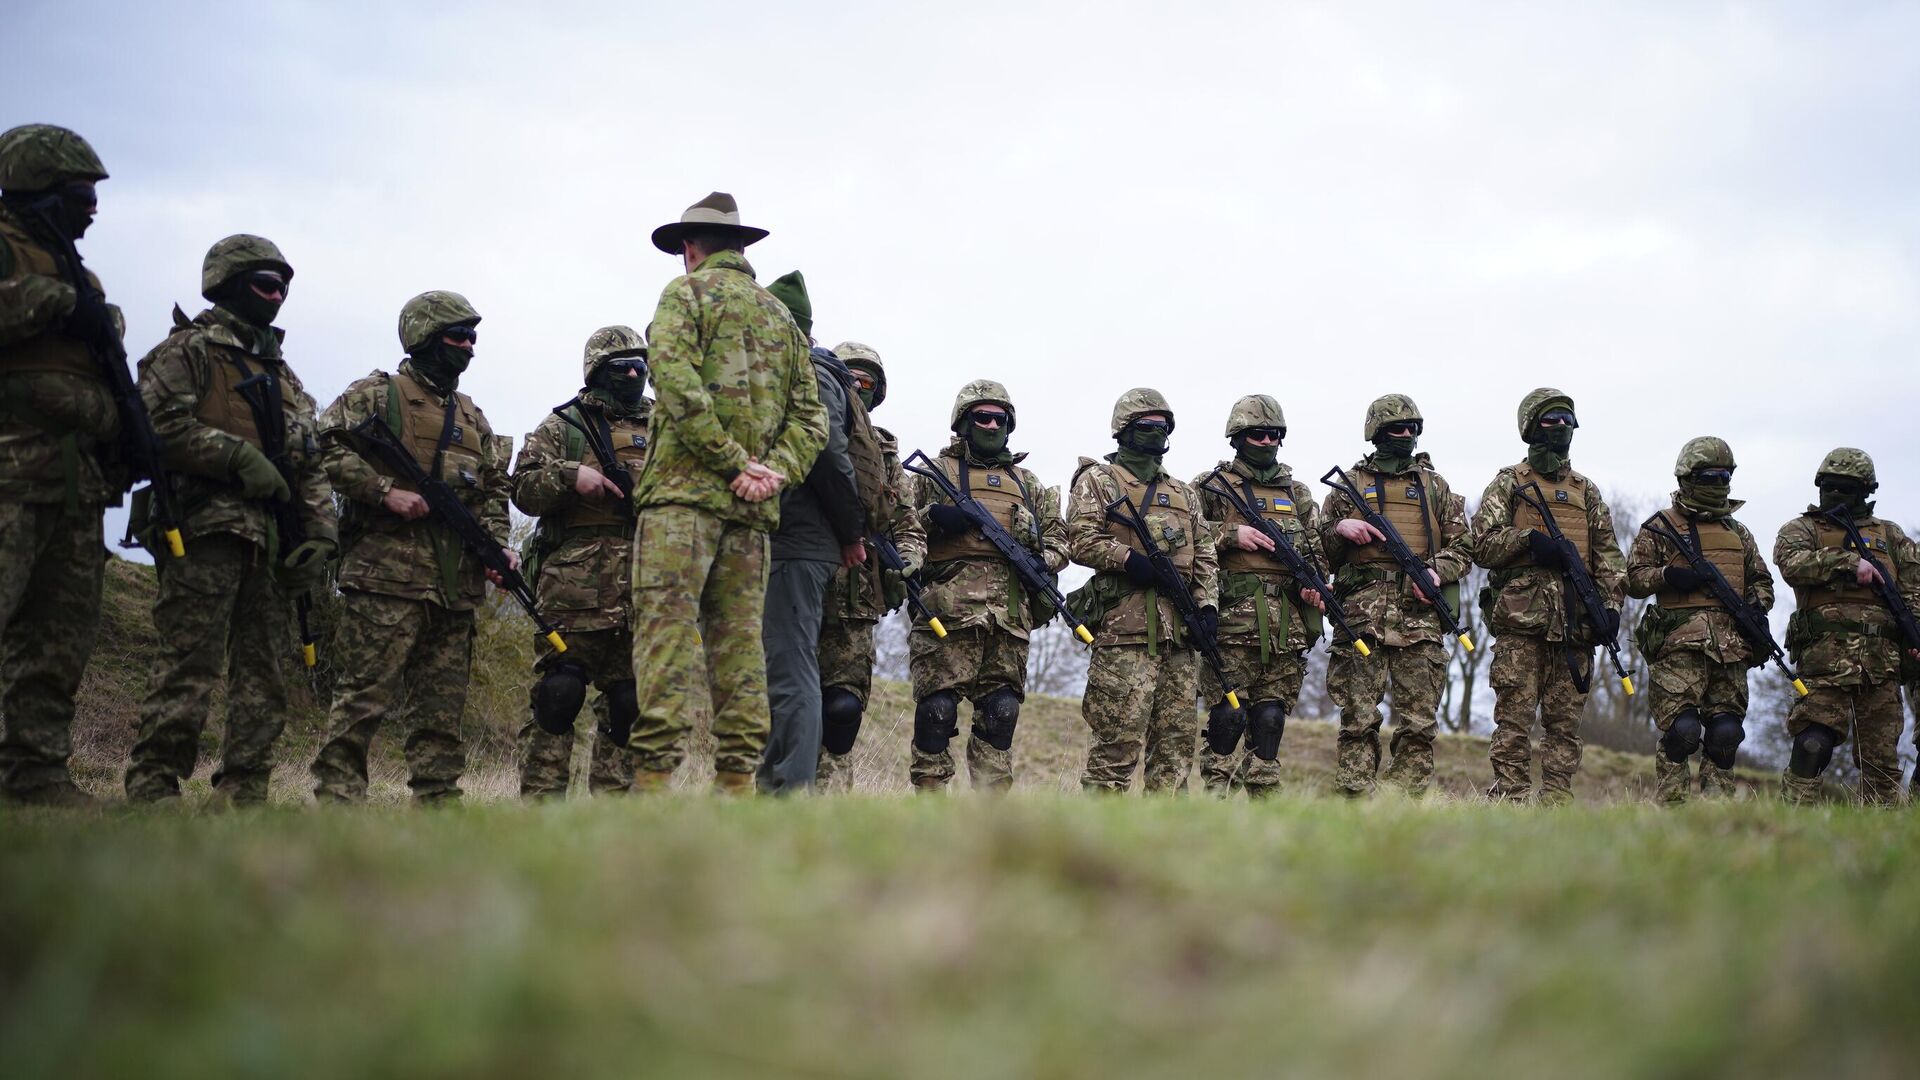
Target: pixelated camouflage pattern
(584, 583)
(35, 157)
(1703, 452)
(1529, 674)
(610, 343)
(1532, 599)
(1869, 716)
(546, 760)
(1255, 410)
(1708, 631)
(1138, 402)
(1386, 607)
(1139, 707)
(1091, 543)
(239, 254)
(1538, 404)
(1852, 643)
(51, 572)
(981, 392)
(982, 591)
(1849, 462)
(1680, 680)
(1387, 410)
(1278, 678)
(1416, 673)
(1241, 592)
(972, 663)
(431, 312)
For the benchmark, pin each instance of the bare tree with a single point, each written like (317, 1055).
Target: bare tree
(1614, 718)
(890, 647)
(1464, 666)
(1056, 661)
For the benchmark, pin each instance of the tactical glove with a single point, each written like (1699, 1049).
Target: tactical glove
(948, 520)
(258, 477)
(305, 567)
(1683, 578)
(92, 320)
(1544, 550)
(1210, 621)
(893, 588)
(1611, 631)
(1140, 570)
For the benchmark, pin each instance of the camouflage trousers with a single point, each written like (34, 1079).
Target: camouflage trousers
(1416, 674)
(411, 657)
(546, 761)
(52, 569)
(1279, 680)
(1530, 674)
(1135, 700)
(846, 661)
(1683, 679)
(220, 615)
(972, 663)
(1870, 714)
(699, 591)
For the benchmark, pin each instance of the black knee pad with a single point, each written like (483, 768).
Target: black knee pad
(1724, 735)
(934, 721)
(1266, 722)
(1813, 751)
(994, 717)
(1682, 737)
(623, 708)
(557, 698)
(1225, 725)
(840, 712)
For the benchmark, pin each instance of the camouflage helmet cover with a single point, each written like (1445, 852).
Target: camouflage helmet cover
(611, 343)
(1255, 410)
(981, 392)
(863, 357)
(1704, 452)
(1848, 462)
(1138, 402)
(1390, 409)
(35, 157)
(431, 312)
(239, 254)
(1537, 404)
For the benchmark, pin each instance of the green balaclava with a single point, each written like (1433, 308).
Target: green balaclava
(1845, 494)
(1142, 445)
(1393, 453)
(1704, 497)
(440, 364)
(791, 290)
(1704, 471)
(986, 446)
(1262, 461)
(1548, 447)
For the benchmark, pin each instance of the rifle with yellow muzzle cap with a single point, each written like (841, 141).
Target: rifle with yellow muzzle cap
(1412, 567)
(1307, 575)
(1577, 579)
(1173, 585)
(1747, 618)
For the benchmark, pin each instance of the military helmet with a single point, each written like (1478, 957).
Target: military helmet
(864, 358)
(1140, 401)
(1537, 404)
(240, 254)
(1254, 410)
(980, 392)
(611, 343)
(35, 157)
(1390, 410)
(1705, 452)
(431, 312)
(1848, 462)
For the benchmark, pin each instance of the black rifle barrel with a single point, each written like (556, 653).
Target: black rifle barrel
(1573, 571)
(1174, 587)
(889, 555)
(1749, 619)
(1410, 564)
(1302, 569)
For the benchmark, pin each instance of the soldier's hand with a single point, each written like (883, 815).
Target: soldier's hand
(1865, 574)
(1915, 653)
(407, 504)
(513, 562)
(92, 320)
(1251, 539)
(1544, 550)
(592, 483)
(258, 477)
(852, 555)
(1433, 576)
(1313, 599)
(1355, 531)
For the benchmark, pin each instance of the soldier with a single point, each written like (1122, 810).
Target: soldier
(1697, 660)
(1543, 655)
(1140, 684)
(1264, 631)
(1409, 645)
(989, 615)
(58, 426)
(737, 414)
(239, 431)
(857, 598)
(579, 562)
(1842, 637)
(409, 587)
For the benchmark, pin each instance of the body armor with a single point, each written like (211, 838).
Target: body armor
(1567, 498)
(1720, 542)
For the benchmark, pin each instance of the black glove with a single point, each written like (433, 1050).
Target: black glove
(1544, 550)
(92, 320)
(1140, 570)
(1611, 631)
(948, 520)
(1210, 622)
(1683, 578)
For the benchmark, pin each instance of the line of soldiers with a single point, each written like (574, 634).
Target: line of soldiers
(650, 561)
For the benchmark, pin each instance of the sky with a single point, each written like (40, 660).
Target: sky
(1695, 219)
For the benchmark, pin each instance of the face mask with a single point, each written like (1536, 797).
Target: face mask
(1558, 438)
(1260, 456)
(238, 296)
(865, 395)
(625, 390)
(1395, 447)
(1147, 437)
(987, 442)
(442, 363)
(1843, 496)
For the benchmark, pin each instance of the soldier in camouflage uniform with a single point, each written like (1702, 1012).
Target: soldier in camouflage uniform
(58, 426)
(737, 415)
(224, 607)
(976, 593)
(1265, 631)
(1844, 641)
(405, 637)
(579, 563)
(1697, 660)
(1141, 681)
(1543, 655)
(858, 597)
(1401, 626)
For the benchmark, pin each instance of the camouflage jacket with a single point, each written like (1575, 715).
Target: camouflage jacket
(53, 422)
(983, 591)
(1529, 599)
(1843, 643)
(857, 595)
(1125, 615)
(582, 575)
(384, 553)
(200, 357)
(734, 382)
(1709, 630)
(1260, 604)
(1379, 600)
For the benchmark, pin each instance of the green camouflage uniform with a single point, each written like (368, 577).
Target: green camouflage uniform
(1141, 682)
(57, 421)
(584, 560)
(1409, 645)
(979, 599)
(1697, 661)
(223, 609)
(405, 637)
(1526, 607)
(734, 382)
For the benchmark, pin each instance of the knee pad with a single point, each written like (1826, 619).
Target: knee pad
(994, 717)
(1813, 751)
(840, 711)
(623, 708)
(934, 721)
(557, 698)
(1724, 736)
(1266, 722)
(1225, 725)
(1682, 737)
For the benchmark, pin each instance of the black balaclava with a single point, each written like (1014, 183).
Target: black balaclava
(621, 393)
(440, 363)
(237, 296)
(65, 207)
(1845, 494)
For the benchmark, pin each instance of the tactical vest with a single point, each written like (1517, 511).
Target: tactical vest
(420, 422)
(50, 351)
(1274, 504)
(628, 434)
(221, 405)
(1167, 513)
(1567, 499)
(877, 497)
(996, 488)
(1720, 542)
(1830, 535)
(1406, 504)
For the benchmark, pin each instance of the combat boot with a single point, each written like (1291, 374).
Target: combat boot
(930, 785)
(733, 783)
(651, 782)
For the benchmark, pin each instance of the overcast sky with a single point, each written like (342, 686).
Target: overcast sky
(1693, 218)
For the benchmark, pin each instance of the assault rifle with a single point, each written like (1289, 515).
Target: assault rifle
(1303, 571)
(599, 442)
(376, 436)
(1747, 618)
(1574, 577)
(262, 393)
(1028, 567)
(1410, 564)
(1883, 588)
(889, 555)
(1169, 583)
